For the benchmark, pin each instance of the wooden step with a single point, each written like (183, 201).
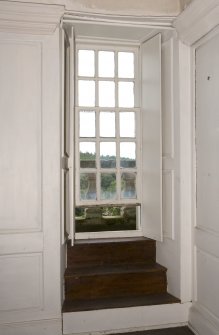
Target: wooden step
(114, 251)
(77, 305)
(114, 281)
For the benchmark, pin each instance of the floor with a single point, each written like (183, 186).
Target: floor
(167, 331)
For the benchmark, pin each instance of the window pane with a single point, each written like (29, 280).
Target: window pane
(86, 93)
(127, 155)
(125, 64)
(88, 186)
(108, 186)
(87, 127)
(106, 64)
(107, 124)
(127, 124)
(128, 185)
(126, 94)
(87, 155)
(86, 63)
(108, 155)
(106, 94)
(105, 218)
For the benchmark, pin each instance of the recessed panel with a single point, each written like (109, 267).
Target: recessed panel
(20, 136)
(20, 282)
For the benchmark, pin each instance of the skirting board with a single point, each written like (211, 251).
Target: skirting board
(39, 327)
(202, 321)
(123, 319)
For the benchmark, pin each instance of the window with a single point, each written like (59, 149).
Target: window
(112, 172)
(107, 139)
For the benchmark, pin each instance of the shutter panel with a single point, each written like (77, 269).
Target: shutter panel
(151, 138)
(68, 123)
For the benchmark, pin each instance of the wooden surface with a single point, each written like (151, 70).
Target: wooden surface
(167, 331)
(114, 274)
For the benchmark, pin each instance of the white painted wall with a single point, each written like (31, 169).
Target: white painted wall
(205, 311)
(29, 178)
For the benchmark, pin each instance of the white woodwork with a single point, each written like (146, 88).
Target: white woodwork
(168, 203)
(204, 316)
(125, 319)
(151, 138)
(14, 295)
(197, 20)
(30, 18)
(29, 174)
(21, 172)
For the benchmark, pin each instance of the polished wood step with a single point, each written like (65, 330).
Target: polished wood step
(77, 305)
(166, 331)
(111, 251)
(114, 281)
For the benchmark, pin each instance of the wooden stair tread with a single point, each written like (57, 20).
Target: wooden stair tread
(118, 302)
(114, 269)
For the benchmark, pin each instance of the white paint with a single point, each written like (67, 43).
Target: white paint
(42, 327)
(204, 316)
(29, 174)
(125, 319)
(151, 138)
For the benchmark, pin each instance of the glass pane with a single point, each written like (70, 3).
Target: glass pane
(125, 64)
(88, 186)
(87, 126)
(106, 67)
(127, 155)
(107, 124)
(105, 218)
(106, 94)
(108, 186)
(108, 155)
(87, 155)
(128, 185)
(86, 93)
(127, 124)
(126, 94)
(86, 63)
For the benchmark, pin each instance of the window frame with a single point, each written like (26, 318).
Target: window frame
(115, 48)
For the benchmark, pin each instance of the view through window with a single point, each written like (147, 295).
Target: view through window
(107, 140)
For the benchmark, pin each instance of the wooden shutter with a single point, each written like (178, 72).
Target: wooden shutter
(151, 138)
(68, 131)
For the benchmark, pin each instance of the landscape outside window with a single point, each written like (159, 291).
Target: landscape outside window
(106, 141)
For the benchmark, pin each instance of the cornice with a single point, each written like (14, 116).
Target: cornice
(29, 18)
(198, 19)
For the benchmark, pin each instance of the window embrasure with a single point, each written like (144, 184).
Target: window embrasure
(107, 137)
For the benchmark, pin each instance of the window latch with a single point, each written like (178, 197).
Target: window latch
(65, 163)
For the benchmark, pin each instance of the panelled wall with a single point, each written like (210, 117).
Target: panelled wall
(205, 311)
(29, 177)
(168, 252)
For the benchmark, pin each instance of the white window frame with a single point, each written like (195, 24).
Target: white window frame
(115, 47)
(150, 123)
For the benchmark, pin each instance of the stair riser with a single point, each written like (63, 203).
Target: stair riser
(111, 253)
(115, 285)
